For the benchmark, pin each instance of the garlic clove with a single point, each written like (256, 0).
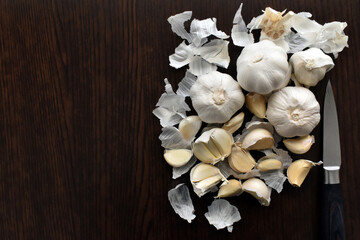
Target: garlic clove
(299, 145)
(258, 139)
(298, 170)
(258, 189)
(231, 188)
(234, 123)
(204, 178)
(256, 103)
(178, 157)
(240, 160)
(213, 145)
(189, 127)
(269, 165)
(202, 171)
(208, 182)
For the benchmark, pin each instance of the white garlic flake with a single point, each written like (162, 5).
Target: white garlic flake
(171, 108)
(239, 31)
(222, 214)
(181, 202)
(216, 97)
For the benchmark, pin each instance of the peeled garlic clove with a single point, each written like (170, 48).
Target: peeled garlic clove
(299, 145)
(258, 189)
(234, 123)
(178, 157)
(269, 165)
(298, 170)
(258, 139)
(229, 189)
(213, 145)
(189, 126)
(240, 159)
(202, 171)
(256, 103)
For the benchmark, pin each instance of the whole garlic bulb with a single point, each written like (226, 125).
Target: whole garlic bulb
(262, 67)
(216, 97)
(310, 66)
(293, 111)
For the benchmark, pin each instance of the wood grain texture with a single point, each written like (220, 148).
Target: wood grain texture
(79, 154)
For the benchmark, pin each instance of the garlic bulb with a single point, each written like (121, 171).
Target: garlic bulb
(293, 111)
(262, 67)
(216, 97)
(310, 66)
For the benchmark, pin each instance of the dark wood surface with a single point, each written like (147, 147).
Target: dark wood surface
(79, 151)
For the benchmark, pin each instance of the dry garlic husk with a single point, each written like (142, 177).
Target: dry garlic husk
(229, 189)
(262, 67)
(256, 103)
(258, 189)
(269, 165)
(216, 97)
(293, 111)
(299, 145)
(310, 66)
(177, 157)
(222, 214)
(213, 145)
(204, 177)
(298, 170)
(234, 123)
(189, 127)
(181, 202)
(258, 139)
(240, 160)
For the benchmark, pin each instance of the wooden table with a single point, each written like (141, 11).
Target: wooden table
(79, 154)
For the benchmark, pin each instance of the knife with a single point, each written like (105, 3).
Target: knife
(332, 204)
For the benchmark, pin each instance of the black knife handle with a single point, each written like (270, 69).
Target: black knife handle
(332, 213)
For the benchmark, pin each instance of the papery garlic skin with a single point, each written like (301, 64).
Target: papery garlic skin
(216, 97)
(262, 67)
(213, 145)
(310, 66)
(293, 111)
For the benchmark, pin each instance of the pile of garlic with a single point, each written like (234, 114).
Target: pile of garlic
(214, 145)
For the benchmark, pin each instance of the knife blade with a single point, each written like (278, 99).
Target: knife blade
(332, 204)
